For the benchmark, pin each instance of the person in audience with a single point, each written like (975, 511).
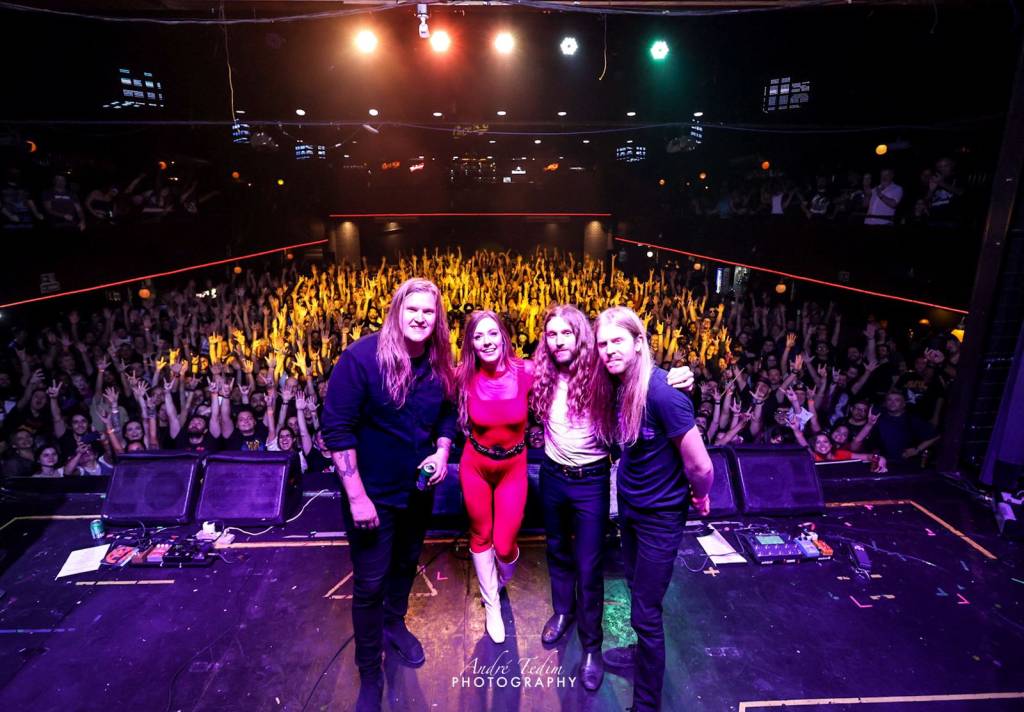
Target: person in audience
(884, 200)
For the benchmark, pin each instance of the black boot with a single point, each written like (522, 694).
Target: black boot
(371, 691)
(592, 670)
(404, 643)
(620, 657)
(555, 628)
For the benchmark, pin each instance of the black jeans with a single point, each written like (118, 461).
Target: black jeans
(576, 512)
(384, 563)
(650, 540)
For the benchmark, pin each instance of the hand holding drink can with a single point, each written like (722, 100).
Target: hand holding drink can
(426, 472)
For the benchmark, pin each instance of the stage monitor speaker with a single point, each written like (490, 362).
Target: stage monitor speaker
(152, 487)
(778, 480)
(247, 488)
(723, 496)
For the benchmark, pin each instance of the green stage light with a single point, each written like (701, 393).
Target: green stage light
(659, 50)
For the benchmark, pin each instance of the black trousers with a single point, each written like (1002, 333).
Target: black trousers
(575, 516)
(384, 564)
(650, 540)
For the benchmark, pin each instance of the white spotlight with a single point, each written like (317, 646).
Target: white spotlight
(366, 42)
(698, 114)
(561, 113)
(536, 140)
(438, 114)
(631, 114)
(569, 46)
(374, 112)
(440, 41)
(300, 112)
(501, 112)
(504, 42)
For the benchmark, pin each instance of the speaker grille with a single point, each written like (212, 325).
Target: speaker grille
(153, 489)
(778, 481)
(249, 491)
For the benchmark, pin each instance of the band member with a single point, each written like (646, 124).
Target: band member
(664, 467)
(389, 412)
(574, 479)
(493, 386)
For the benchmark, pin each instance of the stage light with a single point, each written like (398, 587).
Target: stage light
(300, 112)
(698, 114)
(373, 112)
(631, 114)
(765, 165)
(561, 113)
(924, 322)
(702, 175)
(440, 41)
(650, 253)
(280, 181)
(586, 140)
(661, 182)
(958, 332)
(366, 42)
(569, 46)
(697, 266)
(780, 288)
(289, 255)
(501, 112)
(236, 175)
(659, 50)
(536, 140)
(438, 114)
(881, 149)
(504, 42)
(492, 141)
(145, 293)
(32, 146)
(162, 165)
(237, 269)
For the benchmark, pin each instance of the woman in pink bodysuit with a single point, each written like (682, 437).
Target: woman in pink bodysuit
(493, 387)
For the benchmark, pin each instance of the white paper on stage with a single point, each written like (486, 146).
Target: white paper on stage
(720, 550)
(83, 560)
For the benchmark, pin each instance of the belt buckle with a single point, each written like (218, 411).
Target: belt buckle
(574, 473)
(499, 451)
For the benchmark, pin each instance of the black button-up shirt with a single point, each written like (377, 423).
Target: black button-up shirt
(389, 442)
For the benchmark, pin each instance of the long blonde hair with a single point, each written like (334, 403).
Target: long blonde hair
(393, 355)
(469, 362)
(582, 371)
(629, 391)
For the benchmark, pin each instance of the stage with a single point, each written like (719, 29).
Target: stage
(937, 625)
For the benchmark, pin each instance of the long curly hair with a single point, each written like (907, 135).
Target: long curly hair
(393, 356)
(469, 363)
(581, 370)
(628, 394)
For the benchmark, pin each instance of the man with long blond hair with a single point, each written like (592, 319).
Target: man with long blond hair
(389, 412)
(664, 467)
(575, 478)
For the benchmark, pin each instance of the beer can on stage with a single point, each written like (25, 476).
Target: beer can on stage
(96, 529)
(426, 472)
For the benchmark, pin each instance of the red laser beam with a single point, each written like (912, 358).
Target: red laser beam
(470, 215)
(800, 277)
(122, 282)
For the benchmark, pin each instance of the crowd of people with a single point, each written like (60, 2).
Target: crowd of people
(934, 197)
(57, 202)
(244, 363)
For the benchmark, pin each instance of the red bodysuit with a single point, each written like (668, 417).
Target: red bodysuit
(495, 490)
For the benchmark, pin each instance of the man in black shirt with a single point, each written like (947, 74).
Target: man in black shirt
(245, 433)
(664, 467)
(389, 413)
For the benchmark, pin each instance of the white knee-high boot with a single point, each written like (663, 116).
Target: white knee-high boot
(505, 570)
(487, 575)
